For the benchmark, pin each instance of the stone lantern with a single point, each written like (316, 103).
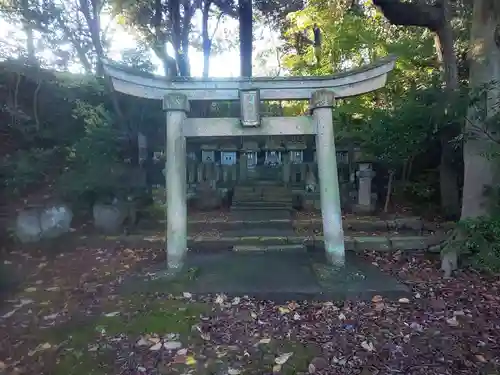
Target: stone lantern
(365, 175)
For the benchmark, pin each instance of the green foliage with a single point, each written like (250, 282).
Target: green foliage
(479, 239)
(26, 168)
(95, 166)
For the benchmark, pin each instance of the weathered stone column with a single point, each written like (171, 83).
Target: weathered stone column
(176, 106)
(321, 103)
(365, 175)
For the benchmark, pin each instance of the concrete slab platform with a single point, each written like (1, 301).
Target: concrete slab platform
(276, 276)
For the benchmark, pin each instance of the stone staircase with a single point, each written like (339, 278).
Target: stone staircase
(262, 196)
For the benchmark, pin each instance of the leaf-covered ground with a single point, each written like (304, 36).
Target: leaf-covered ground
(68, 318)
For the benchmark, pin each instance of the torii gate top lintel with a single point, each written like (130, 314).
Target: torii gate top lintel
(345, 84)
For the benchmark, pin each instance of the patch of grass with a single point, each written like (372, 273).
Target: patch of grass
(142, 317)
(176, 285)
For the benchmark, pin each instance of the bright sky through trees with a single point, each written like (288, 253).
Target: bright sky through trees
(223, 64)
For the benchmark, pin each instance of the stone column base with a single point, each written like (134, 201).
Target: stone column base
(363, 209)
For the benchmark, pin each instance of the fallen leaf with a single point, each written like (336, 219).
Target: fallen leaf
(30, 289)
(156, 347)
(452, 322)
(236, 301)
(172, 345)
(233, 371)
(283, 310)
(190, 361)
(479, 357)
(253, 315)
(276, 368)
(293, 305)
(205, 336)
(296, 316)
(112, 314)
(93, 348)
(51, 316)
(187, 295)
(281, 360)
(368, 346)
(264, 341)
(9, 314)
(39, 348)
(53, 289)
(142, 342)
(317, 363)
(403, 300)
(182, 352)
(377, 299)
(220, 299)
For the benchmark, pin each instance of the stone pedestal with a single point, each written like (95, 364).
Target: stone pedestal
(365, 202)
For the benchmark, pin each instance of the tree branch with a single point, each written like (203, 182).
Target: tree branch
(412, 14)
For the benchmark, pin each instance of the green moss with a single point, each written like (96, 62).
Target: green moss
(160, 317)
(297, 363)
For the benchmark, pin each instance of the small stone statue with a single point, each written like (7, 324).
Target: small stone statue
(311, 182)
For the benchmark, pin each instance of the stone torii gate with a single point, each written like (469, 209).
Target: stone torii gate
(320, 91)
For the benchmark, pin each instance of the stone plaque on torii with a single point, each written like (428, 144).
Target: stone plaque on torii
(320, 91)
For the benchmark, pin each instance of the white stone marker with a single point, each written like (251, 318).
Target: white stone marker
(321, 104)
(176, 106)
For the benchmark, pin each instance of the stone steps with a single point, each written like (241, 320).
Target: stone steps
(381, 243)
(257, 197)
(284, 234)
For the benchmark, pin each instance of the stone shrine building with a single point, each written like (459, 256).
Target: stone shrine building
(223, 164)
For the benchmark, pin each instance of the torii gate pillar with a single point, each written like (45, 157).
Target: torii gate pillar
(321, 105)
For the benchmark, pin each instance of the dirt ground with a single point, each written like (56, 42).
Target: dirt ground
(67, 317)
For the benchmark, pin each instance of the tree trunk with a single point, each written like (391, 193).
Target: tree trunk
(484, 69)
(207, 42)
(448, 174)
(28, 29)
(389, 191)
(179, 38)
(246, 37)
(92, 16)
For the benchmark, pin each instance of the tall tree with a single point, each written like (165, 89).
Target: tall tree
(246, 37)
(435, 17)
(484, 78)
